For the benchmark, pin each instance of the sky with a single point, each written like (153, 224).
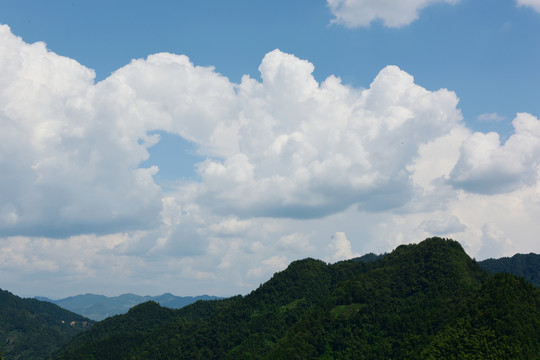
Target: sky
(199, 146)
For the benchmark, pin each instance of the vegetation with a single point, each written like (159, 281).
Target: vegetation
(524, 265)
(427, 301)
(32, 329)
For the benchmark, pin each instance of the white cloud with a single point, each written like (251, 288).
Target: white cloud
(535, 4)
(487, 167)
(66, 168)
(341, 247)
(270, 265)
(393, 13)
(490, 117)
(310, 149)
(288, 161)
(437, 158)
(277, 263)
(298, 243)
(285, 147)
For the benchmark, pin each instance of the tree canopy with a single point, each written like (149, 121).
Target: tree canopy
(425, 301)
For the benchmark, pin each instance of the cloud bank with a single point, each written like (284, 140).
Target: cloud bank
(288, 161)
(286, 147)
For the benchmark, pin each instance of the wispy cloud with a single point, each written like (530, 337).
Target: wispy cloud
(534, 4)
(490, 117)
(393, 13)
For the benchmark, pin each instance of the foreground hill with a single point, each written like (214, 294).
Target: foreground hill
(525, 265)
(31, 329)
(212, 329)
(99, 307)
(425, 301)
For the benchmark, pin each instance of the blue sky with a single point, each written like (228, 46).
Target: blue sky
(178, 173)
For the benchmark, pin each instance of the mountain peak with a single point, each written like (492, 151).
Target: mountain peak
(420, 299)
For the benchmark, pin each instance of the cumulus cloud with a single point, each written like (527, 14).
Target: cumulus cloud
(287, 147)
(341, 247)
(65, 168)
(487, 167)
(288, 159)
(393, 13)
(535, 4)
(309, 150)
(71, 148)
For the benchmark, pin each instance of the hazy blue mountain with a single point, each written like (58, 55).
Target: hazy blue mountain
(525, 265)
(99, 307)
(32, 330)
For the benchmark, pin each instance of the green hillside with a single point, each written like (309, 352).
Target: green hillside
(425, 301)
(525, 265)
(31, 329)
(210, 329)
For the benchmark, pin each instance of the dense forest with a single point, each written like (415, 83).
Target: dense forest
(424, 301)
(525, 265)
(32, 329)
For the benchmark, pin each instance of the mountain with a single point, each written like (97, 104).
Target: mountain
(525, 265)
(99, 307)
(209, 329)
(371, 257)
(31, 329)
(424, 301)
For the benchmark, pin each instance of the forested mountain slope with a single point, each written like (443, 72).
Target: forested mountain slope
(427, 301)
(211, 329)
(31, 329)
(524, 265)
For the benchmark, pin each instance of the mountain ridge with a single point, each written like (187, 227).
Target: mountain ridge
(523, 265)
(99, 307)
(526, 266)
(418, 300)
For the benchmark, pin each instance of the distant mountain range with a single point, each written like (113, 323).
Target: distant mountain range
(99, 307)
